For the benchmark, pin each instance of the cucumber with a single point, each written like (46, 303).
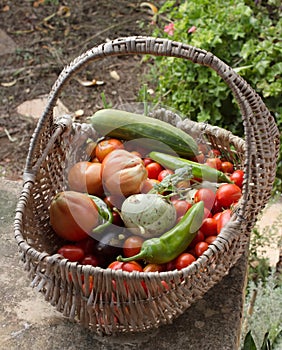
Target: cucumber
(153, 134)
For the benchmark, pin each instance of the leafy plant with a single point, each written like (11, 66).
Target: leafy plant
(244, 34)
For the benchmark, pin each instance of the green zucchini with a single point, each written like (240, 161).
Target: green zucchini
(152, 133)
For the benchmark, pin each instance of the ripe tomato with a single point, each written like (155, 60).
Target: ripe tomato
(104, 147)
(227, 167)
(87, 245)
(184, 260)
(147, 161)
(132, 246)
(214, 153)
(209, 227)
(206, 195)
(181, 206)
(164, 173)
(153, 170)
(72, 252)
(210, 239)
(73, 215)
(237, 177)
(200, 248)
(228, 194)
(154, 268)
(223, 219)
(213, 163)
(200, 237)
(126, 266)
(86, 177)
(90, 260)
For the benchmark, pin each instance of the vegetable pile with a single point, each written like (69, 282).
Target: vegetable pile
(134, 207)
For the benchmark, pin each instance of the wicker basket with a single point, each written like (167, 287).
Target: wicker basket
(113, 308)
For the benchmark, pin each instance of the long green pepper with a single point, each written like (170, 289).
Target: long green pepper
(160, 250)
(201, 171)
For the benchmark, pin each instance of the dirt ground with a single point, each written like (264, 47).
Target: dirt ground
(48, 35)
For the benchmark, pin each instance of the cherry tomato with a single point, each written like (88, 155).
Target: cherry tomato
(117, 220)
(90, 260)
(154, 268)
(206, 195)
(184, 260)
(209, 227)
(148, 184)
(200, 248)
(104, 147)
(132, 246)
(87, 245)
(72, 252)
(227, 167)
(228, 194)
(200, 237)
(214, 163)
(147, 161)
(214, 153)
(210, 239)
(86, 177)
(126, 266)
(223, 219)
(153, 170)
(207, 213)
(164, 173)
(237, 177)
(181, 206)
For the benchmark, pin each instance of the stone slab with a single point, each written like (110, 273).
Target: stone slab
(28, 322)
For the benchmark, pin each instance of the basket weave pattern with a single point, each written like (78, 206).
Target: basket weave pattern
(125, 306)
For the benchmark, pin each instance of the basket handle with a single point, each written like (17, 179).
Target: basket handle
(261, 132)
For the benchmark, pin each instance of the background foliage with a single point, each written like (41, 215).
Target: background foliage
(244, 34)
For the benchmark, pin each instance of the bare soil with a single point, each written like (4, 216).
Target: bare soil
(49, 35)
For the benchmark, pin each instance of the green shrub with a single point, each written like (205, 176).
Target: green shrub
(244, 34)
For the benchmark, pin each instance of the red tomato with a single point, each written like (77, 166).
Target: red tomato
(214, 153)
(117, 220)
(104, 147)
(237, 177)
(200, 237)
(217, 215)
(228, 194)
(132, 246)
(206, 195)
(154, 268)
(147, 161)
(72, 252)
(207, 213)
(214, 163)
(126, 266)
(181, 206)
(87, 245)
(223, 219)
(209, 227)
(148, 184)
(164, 173)
(184, 260)
(200, 248)
(90, 260)
(153, 170)
(227, 167)
(210, 239)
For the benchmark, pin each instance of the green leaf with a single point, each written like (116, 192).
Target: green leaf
(266, 343)
(249, 343)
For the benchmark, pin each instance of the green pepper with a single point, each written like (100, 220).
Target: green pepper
(160, 250)
(201, 171)
(105, 213)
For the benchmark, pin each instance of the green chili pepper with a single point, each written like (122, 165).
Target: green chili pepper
(105, 213)
(201, 171)
(160, 250)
